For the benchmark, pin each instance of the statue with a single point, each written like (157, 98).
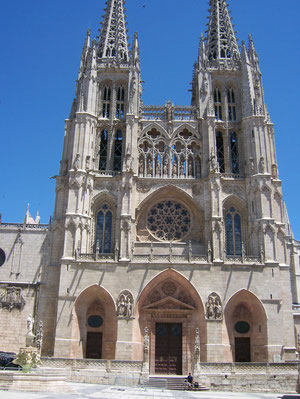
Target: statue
(141, 166)
(174, 169)
(157, 167)
(165, 169)
(125, 304)
(190, 168)
(146, 339)
(274, 171)
(76, 163)
(121, 306)
(262, 165)
(182, 168)
(30, 324)
(149, 167)
(209, 308)
(218, 309)
(128, 307)
(251, 164)
(214, 309)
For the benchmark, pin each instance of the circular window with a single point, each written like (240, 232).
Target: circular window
(2, 257)
(169, 221)
(242, 327)
(95, 321)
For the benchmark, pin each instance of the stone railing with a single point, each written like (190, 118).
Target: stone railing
(243, 259)
(168, 112)
(25, 226)
(234, 176)
(226, 368)
(96, 257)
(115, 365)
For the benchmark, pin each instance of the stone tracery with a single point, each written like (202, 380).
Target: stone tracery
(169, 221)
(164, 158)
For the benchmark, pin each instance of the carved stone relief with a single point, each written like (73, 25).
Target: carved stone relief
(125, 304)
(214, 309)
(12, 298)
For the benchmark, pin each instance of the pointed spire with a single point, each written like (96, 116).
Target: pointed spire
(244, 54)
(113, 38)
(221, 40)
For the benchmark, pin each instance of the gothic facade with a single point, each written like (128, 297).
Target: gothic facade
(170, 243)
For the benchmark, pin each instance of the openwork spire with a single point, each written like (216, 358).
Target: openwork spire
(221, 40)
(113, 39)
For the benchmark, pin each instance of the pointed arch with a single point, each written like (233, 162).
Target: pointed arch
(246, 327)
(169, 297)
(94, 301)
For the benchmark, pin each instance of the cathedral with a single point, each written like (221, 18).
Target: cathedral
(170, 244)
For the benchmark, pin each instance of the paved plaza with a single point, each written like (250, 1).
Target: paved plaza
(95, 391)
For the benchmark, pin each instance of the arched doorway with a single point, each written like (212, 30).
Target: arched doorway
(172, 310)
(246, 324)
(94, 325)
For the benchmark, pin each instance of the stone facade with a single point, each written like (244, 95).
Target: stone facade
(167, 219)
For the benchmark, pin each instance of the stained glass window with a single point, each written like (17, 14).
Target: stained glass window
(169, 221)
(234, 153)
(220, 152)
(104, 230)
(118, 151)
(103, 150)
(233, 231)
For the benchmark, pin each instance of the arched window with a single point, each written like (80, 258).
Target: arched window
(220, 152)
(104, 230)
(106, 102)
(118, 151)
(233, 231)
(218, 104)
(231, 105)
(234, 153)
(103, 150)
(120, 106)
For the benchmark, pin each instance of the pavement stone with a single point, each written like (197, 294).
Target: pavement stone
(95, 391)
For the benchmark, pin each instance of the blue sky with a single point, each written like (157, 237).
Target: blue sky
(41, 43)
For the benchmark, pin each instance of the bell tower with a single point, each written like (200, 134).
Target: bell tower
(98, 140)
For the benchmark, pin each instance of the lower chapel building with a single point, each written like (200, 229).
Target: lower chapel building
(170, 243)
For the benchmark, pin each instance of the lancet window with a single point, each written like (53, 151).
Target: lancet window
(104, 219)
(103, 150)
(233, 230)
(234, 153)
(120, 106)
(118, 144)
(218, 104)
(220, 152)
(106, 96)
(163, 158)
(231, 105)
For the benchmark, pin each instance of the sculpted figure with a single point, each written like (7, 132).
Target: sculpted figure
(76, 163)
(141, 166)
(30, 323)
(210, 308)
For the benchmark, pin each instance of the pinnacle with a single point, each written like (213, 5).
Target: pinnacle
(113, 38)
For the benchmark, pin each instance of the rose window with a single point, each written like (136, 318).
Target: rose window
(169, 221)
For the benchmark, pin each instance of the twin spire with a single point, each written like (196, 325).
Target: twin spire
(221, 41)
(113, 38)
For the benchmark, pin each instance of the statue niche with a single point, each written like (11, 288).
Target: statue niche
(125, 304)
(214, 309)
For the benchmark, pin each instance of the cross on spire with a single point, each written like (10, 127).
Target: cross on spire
(221, 40)
(113, 38)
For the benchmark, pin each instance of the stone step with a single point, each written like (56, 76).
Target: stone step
(172, 383)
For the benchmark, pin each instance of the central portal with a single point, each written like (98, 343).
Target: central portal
(168, 348)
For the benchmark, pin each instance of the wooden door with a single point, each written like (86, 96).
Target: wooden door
(94, 345)
(242, 349)
(168, 348)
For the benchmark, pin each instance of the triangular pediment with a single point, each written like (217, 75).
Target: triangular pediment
(169, 303)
